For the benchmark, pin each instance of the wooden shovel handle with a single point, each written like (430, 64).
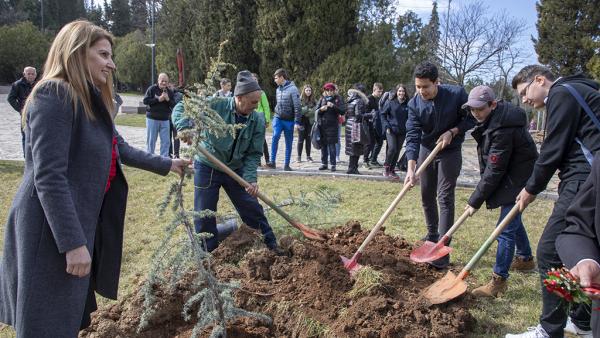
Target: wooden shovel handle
(245, 184)
(392, 206)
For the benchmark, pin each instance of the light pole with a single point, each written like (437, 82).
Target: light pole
(153, 44)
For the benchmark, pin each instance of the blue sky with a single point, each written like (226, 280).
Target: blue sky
(522, 9)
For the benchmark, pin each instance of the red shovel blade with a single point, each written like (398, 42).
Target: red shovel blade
(429, 251)
(351, 264)
(309, 232)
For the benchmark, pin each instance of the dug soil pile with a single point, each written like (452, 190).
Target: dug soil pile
(307, 294)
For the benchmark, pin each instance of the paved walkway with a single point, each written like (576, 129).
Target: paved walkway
(10, 149)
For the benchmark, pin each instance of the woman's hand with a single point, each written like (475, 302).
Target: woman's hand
(178, 165)
(79, 262)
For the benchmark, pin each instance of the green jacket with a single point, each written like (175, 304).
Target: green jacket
(248, 149)
(263, 106)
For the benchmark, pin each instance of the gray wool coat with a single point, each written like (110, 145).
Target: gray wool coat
(60, 205)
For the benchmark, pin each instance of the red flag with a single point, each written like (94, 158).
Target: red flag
(180, 67)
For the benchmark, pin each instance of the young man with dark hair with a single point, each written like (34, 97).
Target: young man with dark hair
(436, 115)
(571, 139)
(506, 154)
(287, 116)
(373, 122)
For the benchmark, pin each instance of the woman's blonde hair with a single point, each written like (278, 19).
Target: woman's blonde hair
(67, 64)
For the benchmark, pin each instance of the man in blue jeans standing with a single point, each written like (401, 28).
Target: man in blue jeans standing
(287, 115)
(160, 99)
(507, 155)
(241, 153)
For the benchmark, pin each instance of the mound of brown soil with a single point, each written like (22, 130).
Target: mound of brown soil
(306, 294)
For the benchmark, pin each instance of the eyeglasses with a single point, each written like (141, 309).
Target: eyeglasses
(523, 92)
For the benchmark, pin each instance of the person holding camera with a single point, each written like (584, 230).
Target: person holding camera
(159, 100)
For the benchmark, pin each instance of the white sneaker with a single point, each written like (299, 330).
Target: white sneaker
(532, 332)
(573, 329)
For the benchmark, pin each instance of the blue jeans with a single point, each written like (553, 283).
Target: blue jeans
(154, 129)
(287, 127)
(328, 150)
(514, 235)
(207, 183)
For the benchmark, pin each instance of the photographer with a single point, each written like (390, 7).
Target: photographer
(159, 100)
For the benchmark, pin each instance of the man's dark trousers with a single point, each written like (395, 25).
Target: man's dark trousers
(208, 182)
(554, 312)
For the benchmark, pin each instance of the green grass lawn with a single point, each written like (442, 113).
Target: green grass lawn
(131, 120)
(361, 200)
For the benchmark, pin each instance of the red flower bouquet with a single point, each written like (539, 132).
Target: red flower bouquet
(562, 283)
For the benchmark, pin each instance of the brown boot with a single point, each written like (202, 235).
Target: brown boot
(523, 264)
(495, 287)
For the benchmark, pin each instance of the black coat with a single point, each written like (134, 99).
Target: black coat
(355, 110)
(565, 121)
(506, 155)
(328, 119)
(581, 237)
(61, 205)
(158, 110)
(19, 92)
(394, 115)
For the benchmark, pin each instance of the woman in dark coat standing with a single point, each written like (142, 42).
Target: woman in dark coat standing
(307, 105)
(63, 238)
(394, 116)
(329, 108)
(355, 110)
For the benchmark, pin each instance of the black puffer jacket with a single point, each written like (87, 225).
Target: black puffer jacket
(328, 119)
(19, 92)
(506, 155)
(355, 110)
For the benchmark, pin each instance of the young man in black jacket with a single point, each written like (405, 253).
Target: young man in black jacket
(506, 154)
(570, 135)
(373, 120)
(579, 244)
(436, 115)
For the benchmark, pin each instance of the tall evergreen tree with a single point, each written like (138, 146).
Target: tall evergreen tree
(566, 32)
(430, 36)
(95, 14)
(409, 50)
(120, 17)
(139, 15)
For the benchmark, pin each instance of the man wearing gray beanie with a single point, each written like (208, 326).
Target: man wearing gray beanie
(241, 153)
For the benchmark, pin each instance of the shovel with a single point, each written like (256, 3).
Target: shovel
(451, 286)
(430, 251)
(306, 231)
(352, 264)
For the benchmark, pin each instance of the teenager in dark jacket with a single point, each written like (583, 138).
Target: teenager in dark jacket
(329, 108)
(373, 121)
(435, 115)
(355, 111)
(506, 155)
(570, 134)
(307, 108)
(393, 117)
(579, 244)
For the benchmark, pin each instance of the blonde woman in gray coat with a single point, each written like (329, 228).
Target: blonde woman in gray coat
(63, 239)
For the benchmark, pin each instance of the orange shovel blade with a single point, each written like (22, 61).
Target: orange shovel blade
(429, 252)
(445, 289)
(310, 233)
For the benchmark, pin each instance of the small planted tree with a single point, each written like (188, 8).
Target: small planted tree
(213, 303)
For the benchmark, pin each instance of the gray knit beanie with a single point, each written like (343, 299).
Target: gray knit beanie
(245, 83)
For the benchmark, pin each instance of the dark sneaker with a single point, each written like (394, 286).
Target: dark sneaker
(323, 167)
(441, 263)
(298, 159)
(332, 168)
(287, 168)
(271, 165)
(309, 159)
(277, 250)
(376, 164)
